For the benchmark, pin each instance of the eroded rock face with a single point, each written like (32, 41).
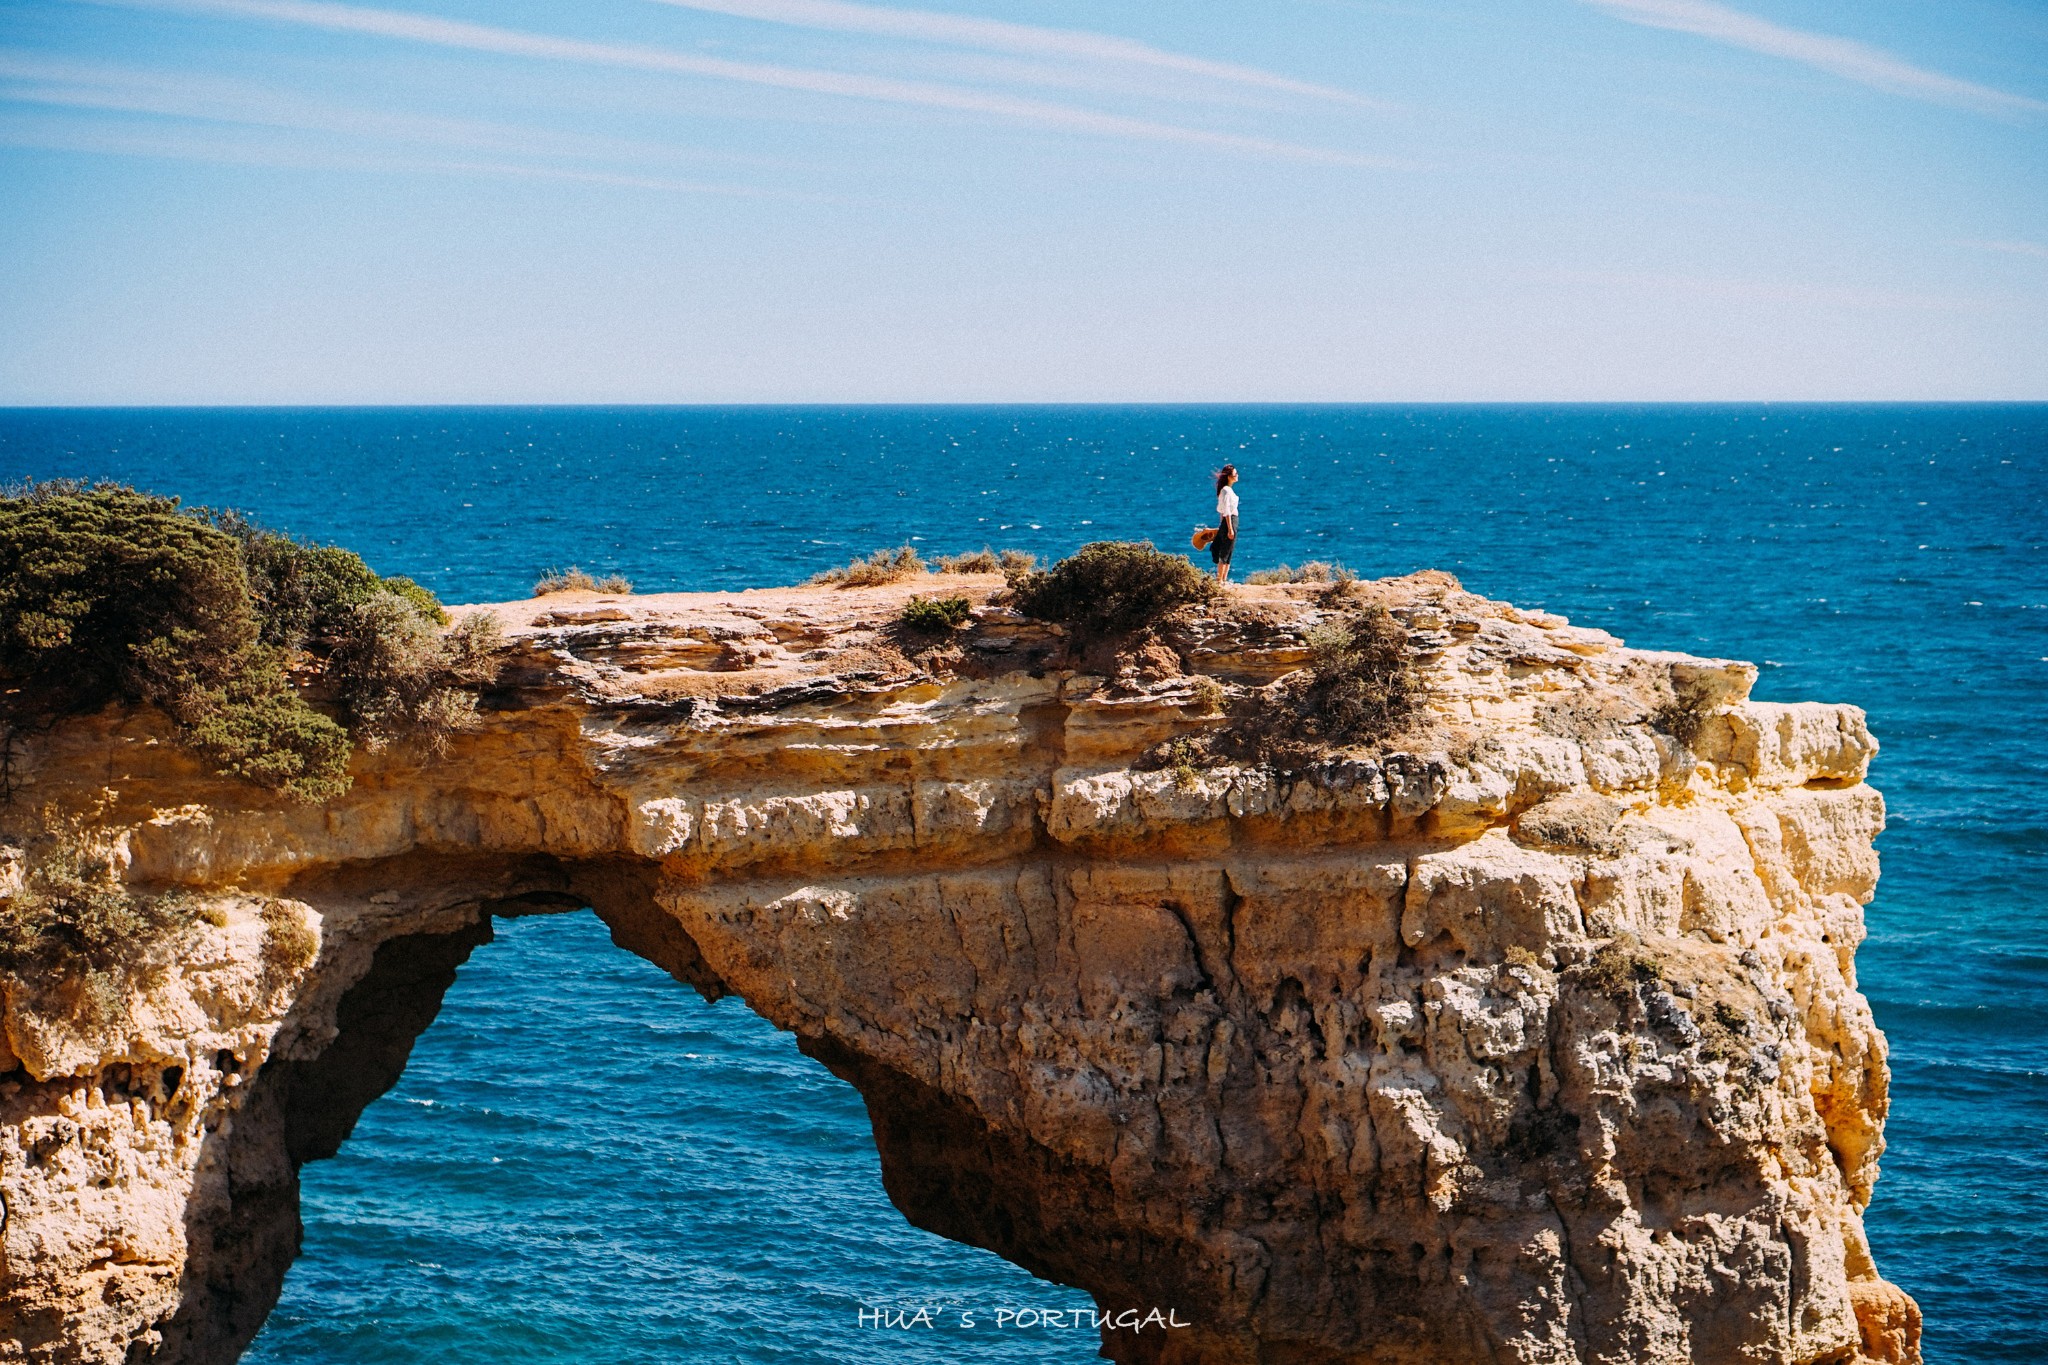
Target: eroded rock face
(1539, 1042)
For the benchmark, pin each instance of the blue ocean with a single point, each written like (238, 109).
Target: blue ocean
(585, 1162)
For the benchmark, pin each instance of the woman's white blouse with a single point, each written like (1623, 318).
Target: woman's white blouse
(1226, 501)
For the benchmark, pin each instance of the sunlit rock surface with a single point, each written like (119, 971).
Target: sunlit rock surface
(1328, 1061)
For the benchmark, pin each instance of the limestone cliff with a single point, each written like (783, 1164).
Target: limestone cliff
(1538, 1041)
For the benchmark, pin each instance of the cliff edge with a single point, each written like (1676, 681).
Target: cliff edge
(1534, 1037)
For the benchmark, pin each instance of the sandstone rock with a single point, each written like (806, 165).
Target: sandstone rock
(1532, 1047)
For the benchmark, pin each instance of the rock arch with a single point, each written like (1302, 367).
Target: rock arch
(1539, 1044)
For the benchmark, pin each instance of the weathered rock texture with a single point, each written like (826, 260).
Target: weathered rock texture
(1330, 1061)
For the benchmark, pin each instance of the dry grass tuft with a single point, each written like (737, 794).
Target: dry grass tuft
(1726, 1034)
(1643, 695)
(1184, 756)
(1618, 967)
(883, 566)
(573, 579)
(1361, 689)
(289, 943)
(400, 678)
(1680, 711)
(985, 560)
(1315, 571)
(73, 924)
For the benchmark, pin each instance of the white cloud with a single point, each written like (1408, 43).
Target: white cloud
(1838, 56)
(383, 23)
(234, 146)
(995, 35)
(33, 78)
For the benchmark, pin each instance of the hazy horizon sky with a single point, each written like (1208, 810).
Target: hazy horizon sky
(310, 201)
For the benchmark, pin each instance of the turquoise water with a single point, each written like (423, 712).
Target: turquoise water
(585, 1162)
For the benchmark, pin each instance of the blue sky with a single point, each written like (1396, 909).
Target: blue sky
(284, 201)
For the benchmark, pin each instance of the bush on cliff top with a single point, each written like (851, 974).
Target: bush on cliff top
(1112, 588)
(111, 595)
(935, 615)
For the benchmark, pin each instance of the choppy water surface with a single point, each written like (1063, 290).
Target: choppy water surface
(585, 1162)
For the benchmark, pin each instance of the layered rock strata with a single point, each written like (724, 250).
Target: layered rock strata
(1537, 1040)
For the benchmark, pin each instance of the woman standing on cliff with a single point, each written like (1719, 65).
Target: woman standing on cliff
(1226, 522)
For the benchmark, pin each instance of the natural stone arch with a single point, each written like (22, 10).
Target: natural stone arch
(1328, 1059)
(943, 1166)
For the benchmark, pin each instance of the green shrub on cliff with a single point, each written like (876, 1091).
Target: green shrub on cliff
(935, 615)
(1112, 588)
(111, 595)
(395, 675)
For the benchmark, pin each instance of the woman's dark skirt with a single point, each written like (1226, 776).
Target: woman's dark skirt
(1220, 548)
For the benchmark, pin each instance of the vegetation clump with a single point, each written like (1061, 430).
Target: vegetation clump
(396, 676)
(111, 595)
(893, 566)
(1185, 756)
(1112, 588)
(975, 561)
(883, 566)
(71, 920)
(1360, 688)
(289, 943)
(1680, 710)
(1315, 571)
(1618, 966)
(935, 615)
(1725, 1034)
(573, 579)
(1361, 683)
(1009, 563)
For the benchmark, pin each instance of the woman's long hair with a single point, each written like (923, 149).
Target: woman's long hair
(1224, 476)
